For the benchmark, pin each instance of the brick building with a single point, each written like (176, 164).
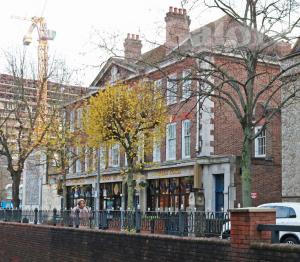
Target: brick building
(290, 132)
(203, 140)
(10, 89)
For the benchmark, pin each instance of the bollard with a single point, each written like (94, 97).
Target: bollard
(77, 219)
(138, 218)
(35, 216)
(54, 216)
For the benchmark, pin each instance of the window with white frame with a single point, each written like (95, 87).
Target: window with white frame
(186, 84)
(114, 156)
(64, 118)
(79, 118)
(89, 160)
(186, 139)
(72, 166)
(78, 161)
(86, 160)
(141, 151)
(72, 120)
(125, 160)
(102, 157)
(260, 142)
(156, 150)
(172, 90)
(171, 142)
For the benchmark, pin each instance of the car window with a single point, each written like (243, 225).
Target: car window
(283, 212)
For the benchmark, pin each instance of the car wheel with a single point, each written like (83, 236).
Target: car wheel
(291, 241)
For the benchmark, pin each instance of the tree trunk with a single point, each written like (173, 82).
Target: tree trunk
(246, 169)
(65, 193)
(16, 178)
(64, 186)
(130, 188)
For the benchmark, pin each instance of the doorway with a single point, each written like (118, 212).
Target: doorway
(219, 193)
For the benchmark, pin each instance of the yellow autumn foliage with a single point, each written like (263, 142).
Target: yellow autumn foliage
(132, 116)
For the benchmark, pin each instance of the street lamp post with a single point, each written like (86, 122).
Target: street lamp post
(97, 189)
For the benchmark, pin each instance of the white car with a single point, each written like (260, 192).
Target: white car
(287, 213)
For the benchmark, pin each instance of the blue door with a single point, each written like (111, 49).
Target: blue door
(219, 194)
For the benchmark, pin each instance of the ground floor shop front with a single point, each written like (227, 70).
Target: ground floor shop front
(164, 188)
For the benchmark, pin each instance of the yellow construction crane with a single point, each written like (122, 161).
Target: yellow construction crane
(44, 35)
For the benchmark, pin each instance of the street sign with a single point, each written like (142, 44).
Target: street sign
(253, 195)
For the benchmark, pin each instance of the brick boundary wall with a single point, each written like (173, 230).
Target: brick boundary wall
(24, 242)
(21, 242)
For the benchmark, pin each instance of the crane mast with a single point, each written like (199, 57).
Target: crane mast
(44, 35)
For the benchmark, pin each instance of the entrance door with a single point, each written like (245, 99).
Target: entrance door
(219, 195)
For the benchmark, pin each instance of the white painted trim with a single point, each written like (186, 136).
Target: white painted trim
(170, 94)
(167, 142)
(183, 156)
(256, 129)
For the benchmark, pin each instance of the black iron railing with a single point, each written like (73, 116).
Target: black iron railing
(180, 223)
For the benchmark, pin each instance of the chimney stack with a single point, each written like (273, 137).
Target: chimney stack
(132, 47)
(177, 26)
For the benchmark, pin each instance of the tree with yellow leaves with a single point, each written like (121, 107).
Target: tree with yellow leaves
(132, 116)
(59, 144)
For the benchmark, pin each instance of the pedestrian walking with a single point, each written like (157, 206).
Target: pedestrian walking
(83, 212)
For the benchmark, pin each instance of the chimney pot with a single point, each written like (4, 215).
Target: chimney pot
(132, 47)
(177, 26)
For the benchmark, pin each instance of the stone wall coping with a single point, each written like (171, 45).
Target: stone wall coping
(252, 210)
(276, 247)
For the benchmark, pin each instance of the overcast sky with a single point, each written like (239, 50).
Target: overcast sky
(75, 22)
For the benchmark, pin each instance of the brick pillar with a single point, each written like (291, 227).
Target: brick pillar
(244, 232)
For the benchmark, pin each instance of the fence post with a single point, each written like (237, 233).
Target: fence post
(77, 219)
(5, 215)
(138, 218)
(54, 216)
(152, 225)
(35, 216)
(181, 222)
(105, 223)
(68, 216)
(99, 219)
(122, 218)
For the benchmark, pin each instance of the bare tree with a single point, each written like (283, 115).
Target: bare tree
(23, 125)
(253, 37)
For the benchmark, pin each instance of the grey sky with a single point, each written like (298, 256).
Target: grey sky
(76, 20)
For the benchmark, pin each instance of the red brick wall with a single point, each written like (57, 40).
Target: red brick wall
(266, 173)
(244, 230)
(30, 243)
(34, 243)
